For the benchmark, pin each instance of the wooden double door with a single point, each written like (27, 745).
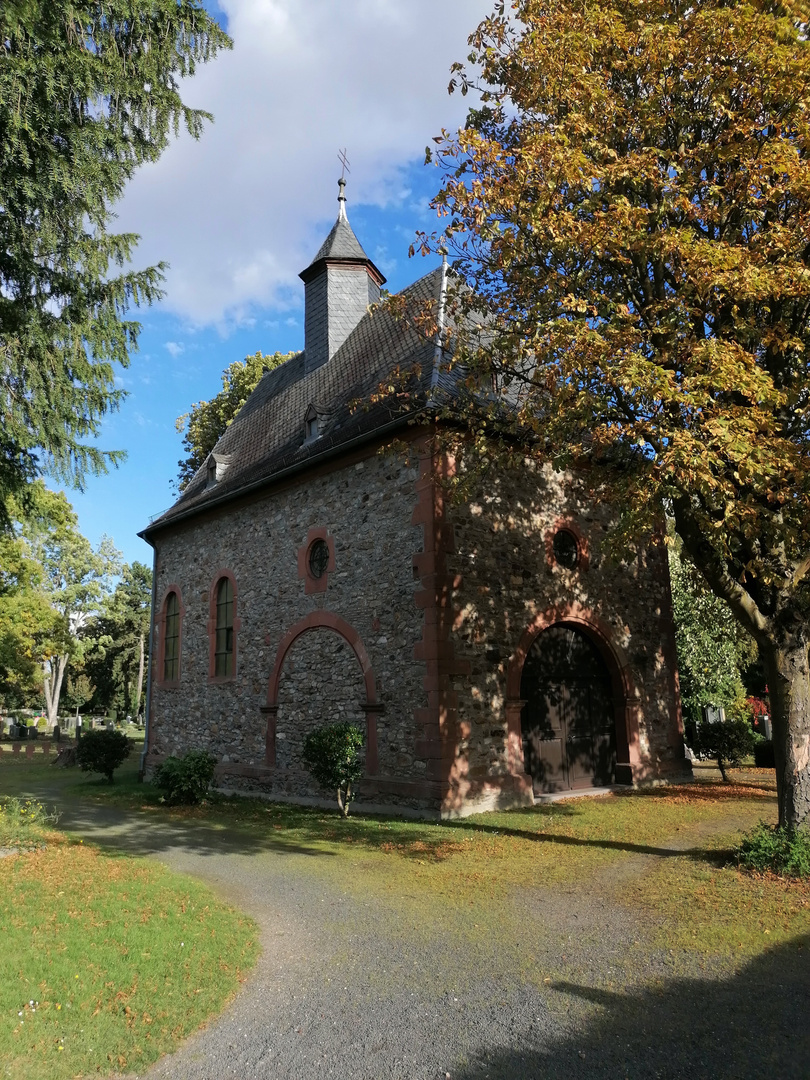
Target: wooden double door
(568, 721)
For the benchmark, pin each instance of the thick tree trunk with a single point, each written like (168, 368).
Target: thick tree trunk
(139, 686)
(53, 686)
(789, 691)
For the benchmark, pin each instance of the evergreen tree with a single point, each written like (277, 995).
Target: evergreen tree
(89, 90)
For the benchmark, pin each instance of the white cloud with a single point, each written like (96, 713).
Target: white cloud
(239, 213)
(174, 349)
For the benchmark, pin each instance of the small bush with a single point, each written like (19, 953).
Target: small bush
(22, 822)
(728, 742)
(185, 781)
(102, 752)
(778, 849)
(332, 755)
(763, 754)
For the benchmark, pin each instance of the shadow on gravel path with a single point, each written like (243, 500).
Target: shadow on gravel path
(748, 1026)
(149, 833)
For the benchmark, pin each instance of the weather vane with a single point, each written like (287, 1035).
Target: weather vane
(344, 161)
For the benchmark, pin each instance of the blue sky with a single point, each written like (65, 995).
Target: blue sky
(239, 213)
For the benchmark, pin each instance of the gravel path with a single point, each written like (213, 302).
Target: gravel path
(345, 990)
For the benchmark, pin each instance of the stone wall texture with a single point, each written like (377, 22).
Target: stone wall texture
(504, 580)
(366, 509)
(418, 629)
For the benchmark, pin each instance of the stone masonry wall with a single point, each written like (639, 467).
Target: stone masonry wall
(321, 682)
(366, 508)
(504, 579)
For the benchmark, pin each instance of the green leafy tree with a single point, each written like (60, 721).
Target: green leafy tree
(713, 648)
(117, 660)
(89, 90)
(30, 627)
(728, 742)
(332, 755)
(79, 689)
(53, 583)
(628, 203)
(206, 421)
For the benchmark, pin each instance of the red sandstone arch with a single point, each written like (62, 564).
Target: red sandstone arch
(325, 620)
(624, 690)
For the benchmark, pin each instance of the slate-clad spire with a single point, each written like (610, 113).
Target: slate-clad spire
(341, 282)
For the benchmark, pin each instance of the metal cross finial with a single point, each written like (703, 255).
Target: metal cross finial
(342, 182)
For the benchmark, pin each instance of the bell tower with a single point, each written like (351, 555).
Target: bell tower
(340, 283)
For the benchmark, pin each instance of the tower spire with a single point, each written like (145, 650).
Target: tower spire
(342, 199)
(341, 282)
(344, 161)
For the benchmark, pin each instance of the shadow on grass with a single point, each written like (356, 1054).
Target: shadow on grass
(129, 816)
(290, 830)
(750, 1025)
(627, 846)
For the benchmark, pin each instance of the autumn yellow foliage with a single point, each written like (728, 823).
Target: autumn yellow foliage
(629, 203)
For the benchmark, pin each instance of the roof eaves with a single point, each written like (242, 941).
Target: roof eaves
(328, 452)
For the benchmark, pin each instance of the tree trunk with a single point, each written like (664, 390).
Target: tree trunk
(788, 671)
(343, 801)
(139, 686)
(53, 689)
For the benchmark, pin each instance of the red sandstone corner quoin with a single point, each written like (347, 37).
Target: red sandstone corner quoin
(326, 620)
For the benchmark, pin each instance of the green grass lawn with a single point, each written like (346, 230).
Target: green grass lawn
(108, 961)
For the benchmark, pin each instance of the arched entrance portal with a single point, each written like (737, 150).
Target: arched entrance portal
(568, 719)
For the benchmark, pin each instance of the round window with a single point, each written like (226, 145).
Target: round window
(318, 558)
(566, 549)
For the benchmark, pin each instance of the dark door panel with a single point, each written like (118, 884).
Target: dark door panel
(568, 720)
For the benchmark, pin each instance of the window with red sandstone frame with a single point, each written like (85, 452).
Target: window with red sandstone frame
(224, 644)
(171, 639)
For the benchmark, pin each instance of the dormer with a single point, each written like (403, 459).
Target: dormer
(340, 284)
(216, 466)
(312, 425)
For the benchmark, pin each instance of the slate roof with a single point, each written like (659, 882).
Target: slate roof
(341, 243)
(266, 439)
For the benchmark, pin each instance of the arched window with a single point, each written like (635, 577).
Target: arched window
(224, 643)
(169, 627)
(171, 646)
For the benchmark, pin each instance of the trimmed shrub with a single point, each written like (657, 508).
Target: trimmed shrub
(728, 742)
(332, 755)
(775, 849)
(185, 781)
(102, 752)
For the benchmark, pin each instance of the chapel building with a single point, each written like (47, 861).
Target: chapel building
(489, 649)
